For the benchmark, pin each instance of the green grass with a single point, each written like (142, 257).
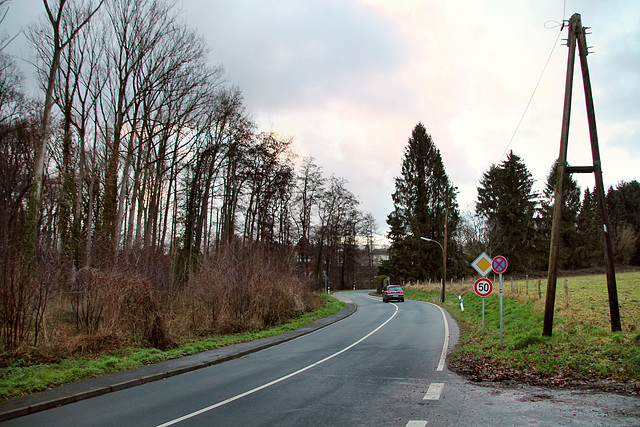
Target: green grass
(582, 344)
(19, 380)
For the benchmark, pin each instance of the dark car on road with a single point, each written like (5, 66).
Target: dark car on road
(393, 292)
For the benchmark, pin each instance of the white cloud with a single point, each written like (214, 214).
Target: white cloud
(349, 79)
(292, 54)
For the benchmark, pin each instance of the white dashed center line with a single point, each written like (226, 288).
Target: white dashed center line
(434, 392)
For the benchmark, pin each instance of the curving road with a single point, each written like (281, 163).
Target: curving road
(382, 365)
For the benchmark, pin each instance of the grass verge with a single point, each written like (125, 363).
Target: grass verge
(17, 380)
(582, 351)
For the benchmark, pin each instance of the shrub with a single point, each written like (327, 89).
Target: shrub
(23, 298)
(380, 283)
(242, 290)
(124, 305)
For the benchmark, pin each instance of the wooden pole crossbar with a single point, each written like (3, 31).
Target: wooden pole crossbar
(577, 36)
(580, 169)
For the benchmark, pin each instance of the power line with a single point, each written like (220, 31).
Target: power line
(555, 43)
(531, 98)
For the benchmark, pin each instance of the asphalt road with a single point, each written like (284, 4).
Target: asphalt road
(382, 365)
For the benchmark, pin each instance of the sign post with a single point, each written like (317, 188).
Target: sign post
(483, 287)
(499, 265)
(482, 265)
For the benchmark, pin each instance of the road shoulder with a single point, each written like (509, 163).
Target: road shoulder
(92, 387)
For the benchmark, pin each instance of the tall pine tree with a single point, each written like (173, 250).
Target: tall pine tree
(507, 200)
(569, 243)
(589, 252)
(623, 203)
(424, 201)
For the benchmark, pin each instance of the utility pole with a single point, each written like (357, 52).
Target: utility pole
(577, 35)
(552, 275)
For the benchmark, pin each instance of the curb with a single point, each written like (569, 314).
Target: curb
(93, 387)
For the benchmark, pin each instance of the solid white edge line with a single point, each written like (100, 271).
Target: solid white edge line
(276, 381)
(434, 392)
(445, 345)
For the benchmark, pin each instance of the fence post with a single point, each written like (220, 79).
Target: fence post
(566, 292)
(539, 290)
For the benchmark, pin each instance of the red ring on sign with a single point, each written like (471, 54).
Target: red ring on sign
(499, 264)
(483, 287)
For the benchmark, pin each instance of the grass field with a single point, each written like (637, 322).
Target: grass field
(582, 347)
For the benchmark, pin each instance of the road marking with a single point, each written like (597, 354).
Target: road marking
(434, 392)
(445, 345)
(416, 423)
(276, 381)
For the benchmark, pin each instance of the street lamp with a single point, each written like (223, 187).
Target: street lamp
(444, 265)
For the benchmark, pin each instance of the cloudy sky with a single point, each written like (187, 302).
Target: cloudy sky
(349, 79)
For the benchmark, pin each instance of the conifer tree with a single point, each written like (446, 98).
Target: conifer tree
(568, 229)
(589, 252)
(623, 204)
(424, 200)
(507, 200)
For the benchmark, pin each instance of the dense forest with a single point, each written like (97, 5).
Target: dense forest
(140, 199)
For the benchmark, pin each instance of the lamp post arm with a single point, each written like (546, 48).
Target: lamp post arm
(444, 264)
(434, 241)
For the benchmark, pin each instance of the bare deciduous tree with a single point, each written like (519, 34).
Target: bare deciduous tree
(58, 19)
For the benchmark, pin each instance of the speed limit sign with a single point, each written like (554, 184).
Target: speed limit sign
(483, 287)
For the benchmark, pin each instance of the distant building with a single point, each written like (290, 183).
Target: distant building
(379, 255)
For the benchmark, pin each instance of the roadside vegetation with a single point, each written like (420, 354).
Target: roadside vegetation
(145, 215)
(582, 350)
(141, 202)
(23, 377)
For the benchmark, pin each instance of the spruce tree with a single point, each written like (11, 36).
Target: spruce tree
(424, 200)
(623, 204)
(507, 200)
(568, 258)
(589, 252)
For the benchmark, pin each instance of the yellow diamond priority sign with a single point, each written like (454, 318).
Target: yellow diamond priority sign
(482, 264)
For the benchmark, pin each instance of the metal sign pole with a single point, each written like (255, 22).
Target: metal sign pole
(500, 309)
(499, 265)
(483, 287)
(482, 315)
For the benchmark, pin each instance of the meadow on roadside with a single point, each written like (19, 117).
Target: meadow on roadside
(582, 349)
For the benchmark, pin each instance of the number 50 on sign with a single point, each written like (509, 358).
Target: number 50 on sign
(483, 287)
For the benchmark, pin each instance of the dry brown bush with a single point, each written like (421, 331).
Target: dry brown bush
(625, 241)
(96, 343)
(23, 298)
(126, 306)
(237, 290)
(452, 288)
(241, 290)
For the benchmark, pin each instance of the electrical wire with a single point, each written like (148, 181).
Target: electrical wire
(555, 43)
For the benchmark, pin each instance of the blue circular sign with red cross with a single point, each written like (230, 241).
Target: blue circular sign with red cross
(499, 264)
